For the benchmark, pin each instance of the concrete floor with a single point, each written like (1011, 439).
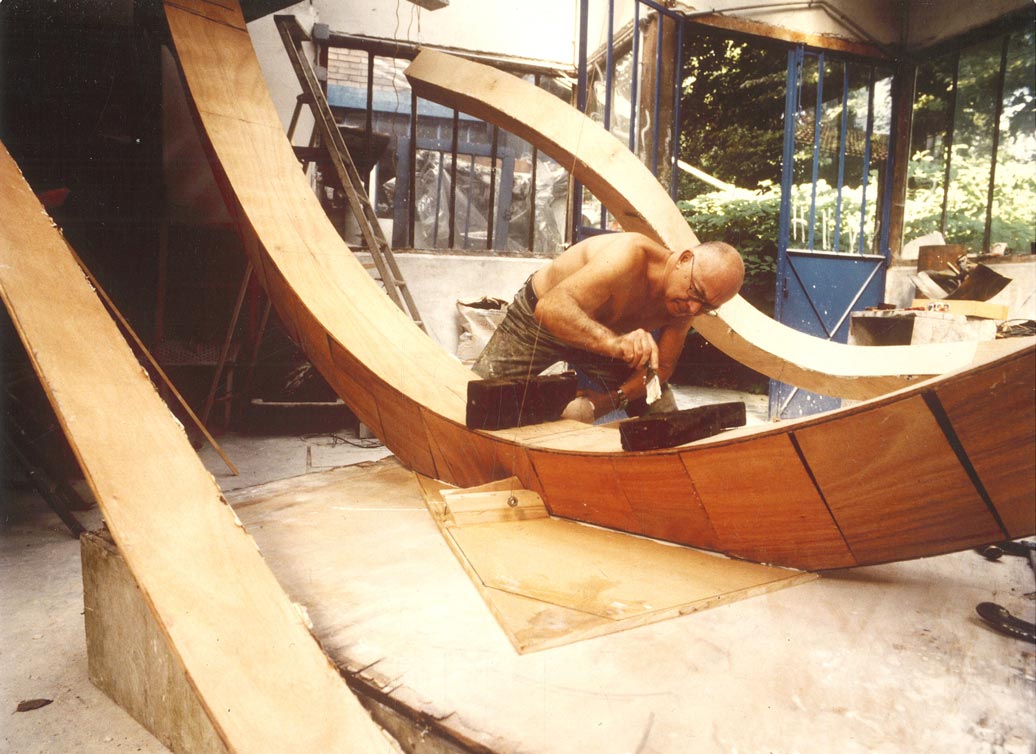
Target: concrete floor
(42, 646)
(42, 649)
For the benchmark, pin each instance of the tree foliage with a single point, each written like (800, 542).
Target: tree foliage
(732, 110)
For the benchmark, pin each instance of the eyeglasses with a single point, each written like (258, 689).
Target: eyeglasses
(695, 295)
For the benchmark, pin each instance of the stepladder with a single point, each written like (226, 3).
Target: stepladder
(327, 137)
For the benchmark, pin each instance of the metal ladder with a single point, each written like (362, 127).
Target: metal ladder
(293, 35)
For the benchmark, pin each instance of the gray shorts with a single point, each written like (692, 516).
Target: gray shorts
(522, 348)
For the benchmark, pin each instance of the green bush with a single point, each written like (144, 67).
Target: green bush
(1014, 198)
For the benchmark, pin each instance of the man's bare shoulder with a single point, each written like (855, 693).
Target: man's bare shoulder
(626, 249)
(602, 260)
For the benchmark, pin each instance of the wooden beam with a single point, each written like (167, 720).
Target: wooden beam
(504, 403)
(239, 638)
(902, 105)
(679, 427)
(770, 31)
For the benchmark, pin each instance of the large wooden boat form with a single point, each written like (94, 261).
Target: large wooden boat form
(937, 465)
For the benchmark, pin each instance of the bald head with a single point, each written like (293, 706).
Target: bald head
(721, 269)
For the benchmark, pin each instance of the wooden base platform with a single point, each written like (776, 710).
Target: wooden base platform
(550, 581)
(815, 669)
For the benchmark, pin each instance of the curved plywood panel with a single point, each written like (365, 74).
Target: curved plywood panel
(639, 203)
(773, 494)
(261, 677)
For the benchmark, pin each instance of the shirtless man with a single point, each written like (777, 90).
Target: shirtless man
(596, 305)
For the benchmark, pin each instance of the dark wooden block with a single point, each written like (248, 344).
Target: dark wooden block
(678, 427)
(501, 404)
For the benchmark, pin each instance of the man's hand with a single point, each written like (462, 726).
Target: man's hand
(638, 349)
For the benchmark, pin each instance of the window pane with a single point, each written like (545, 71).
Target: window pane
(929, 140)
(731, 144)
(971, 161)
(1014, 193)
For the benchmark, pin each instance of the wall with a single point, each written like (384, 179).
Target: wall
(931, 21)
(439, 281)
(538, 29)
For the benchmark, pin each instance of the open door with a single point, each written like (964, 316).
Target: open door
(833, 240)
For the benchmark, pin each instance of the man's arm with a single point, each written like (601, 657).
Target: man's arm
(670, 346)
(572, 309)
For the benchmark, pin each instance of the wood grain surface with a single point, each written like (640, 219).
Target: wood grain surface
(260, 676)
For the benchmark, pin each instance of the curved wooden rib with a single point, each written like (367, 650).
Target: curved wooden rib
(261, 677)
(915, 473)
(639, 203)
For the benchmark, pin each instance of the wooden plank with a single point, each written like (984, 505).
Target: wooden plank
(763, 505)
(350, 380)
(1000, 450)
(154, 365)
(664, 502)
(505, 403)
(982, 309)
(680, 427)
(605, 165)
(908, 495)
(639, 203)
(583, 487)
(771, 31)
(550, 582)
(470, 459)
(240, 640)
(533, 432)
(403, 428)
(509, 502)
(581, 437)
(222, 11)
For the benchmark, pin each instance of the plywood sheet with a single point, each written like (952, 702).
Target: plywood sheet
(664, 502)
(583, 487)
(908, 495)
(999, 447)
(239, 638)
(757, 495)
(605, 573)
(549, 581)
